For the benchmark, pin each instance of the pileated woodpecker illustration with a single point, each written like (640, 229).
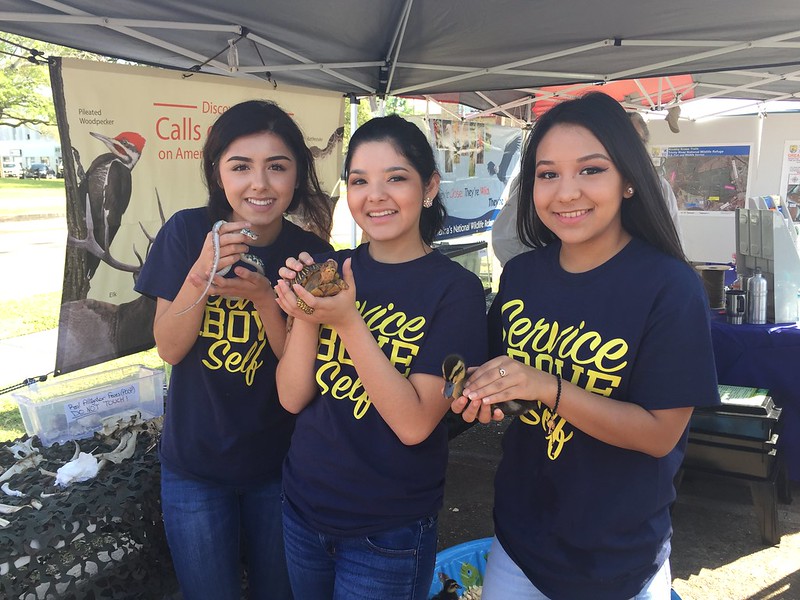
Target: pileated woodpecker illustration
(106, 185)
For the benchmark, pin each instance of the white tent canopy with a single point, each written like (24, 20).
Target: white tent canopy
(494, 55)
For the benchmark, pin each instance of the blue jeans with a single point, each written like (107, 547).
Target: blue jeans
(396, 564)
(206, 524)
(504, 579)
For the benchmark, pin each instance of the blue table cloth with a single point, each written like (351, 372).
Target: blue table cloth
(764, 356)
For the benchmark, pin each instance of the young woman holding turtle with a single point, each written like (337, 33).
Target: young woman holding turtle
(604, 329)
(225, 434)
(364, 478)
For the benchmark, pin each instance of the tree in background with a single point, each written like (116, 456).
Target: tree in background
(368, 108)
(364, 115)
(25, 97)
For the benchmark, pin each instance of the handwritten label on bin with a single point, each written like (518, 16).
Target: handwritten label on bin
(117, 398)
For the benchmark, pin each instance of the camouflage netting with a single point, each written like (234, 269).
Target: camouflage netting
(102, 538)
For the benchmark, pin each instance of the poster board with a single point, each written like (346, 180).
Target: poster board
(706, 178)
(790, 177)
(156, 121)
(476, 161)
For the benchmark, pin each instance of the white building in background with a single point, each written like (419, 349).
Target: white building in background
(26, 146)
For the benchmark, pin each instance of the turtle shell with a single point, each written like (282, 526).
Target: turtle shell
(321, 279)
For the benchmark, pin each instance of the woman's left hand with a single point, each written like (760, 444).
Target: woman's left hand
(497, 380)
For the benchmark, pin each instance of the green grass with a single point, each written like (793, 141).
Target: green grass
(26, 198)
(11, 426)
(22, 316)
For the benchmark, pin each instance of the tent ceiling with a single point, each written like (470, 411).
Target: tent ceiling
(484, 53)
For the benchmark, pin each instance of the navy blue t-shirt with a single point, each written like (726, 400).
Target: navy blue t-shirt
(347, 472)
(582, 518)
(223, 420)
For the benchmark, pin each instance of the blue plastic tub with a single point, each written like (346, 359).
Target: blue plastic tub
(466, 563)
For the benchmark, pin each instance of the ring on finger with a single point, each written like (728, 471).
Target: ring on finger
(502, 372)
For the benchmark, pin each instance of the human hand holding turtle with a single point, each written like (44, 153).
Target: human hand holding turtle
(303, 281)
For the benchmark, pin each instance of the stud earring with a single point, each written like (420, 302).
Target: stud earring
(428, 202)
(629, 191)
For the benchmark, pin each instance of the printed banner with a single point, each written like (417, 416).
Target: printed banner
(476, 161)
(790, 178)
(705, 178)
(132, 140)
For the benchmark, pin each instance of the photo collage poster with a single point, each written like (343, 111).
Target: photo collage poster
(477, 162)
(706, 178)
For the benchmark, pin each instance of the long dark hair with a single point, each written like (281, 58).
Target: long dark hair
(257, 116)
(644, 215)
(411, 143)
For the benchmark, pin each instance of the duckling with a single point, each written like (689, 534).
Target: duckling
(454, 371)
(450, 589)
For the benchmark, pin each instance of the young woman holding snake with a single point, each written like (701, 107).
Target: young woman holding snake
(604, 330)
(225, 434)
(364, 477)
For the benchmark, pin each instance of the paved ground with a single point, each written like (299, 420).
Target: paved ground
(32, 256)
(31, 262)
(717, 549)
(27, 356)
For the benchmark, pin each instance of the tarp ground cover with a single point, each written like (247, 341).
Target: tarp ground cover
(102, 538)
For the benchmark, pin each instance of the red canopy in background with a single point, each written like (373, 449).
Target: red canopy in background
(654, 92)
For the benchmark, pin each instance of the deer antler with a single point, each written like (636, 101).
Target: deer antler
(150, 238)
(90, 245)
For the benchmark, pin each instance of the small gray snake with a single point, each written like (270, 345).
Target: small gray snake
(247, 258)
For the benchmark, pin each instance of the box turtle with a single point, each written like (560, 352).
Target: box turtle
(321, 280)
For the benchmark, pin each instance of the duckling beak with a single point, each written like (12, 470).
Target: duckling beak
(450, 388)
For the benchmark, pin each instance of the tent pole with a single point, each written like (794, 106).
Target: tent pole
(760, 131)
(353, 126)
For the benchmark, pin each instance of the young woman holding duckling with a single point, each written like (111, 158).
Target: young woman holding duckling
(604, 329)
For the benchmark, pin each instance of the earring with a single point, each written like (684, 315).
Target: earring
(428, 202)
(629, 191)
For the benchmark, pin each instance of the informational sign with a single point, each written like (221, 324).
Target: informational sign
(476, 161)
(132, 140)
(118, 398)
(706, 178)
(790, 176)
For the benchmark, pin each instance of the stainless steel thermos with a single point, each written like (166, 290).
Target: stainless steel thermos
(757, 298)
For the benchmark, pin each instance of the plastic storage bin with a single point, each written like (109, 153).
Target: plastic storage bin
(67, 408)
(466, 563)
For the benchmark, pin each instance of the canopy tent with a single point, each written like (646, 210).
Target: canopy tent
(498, 56)
(651, 92)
